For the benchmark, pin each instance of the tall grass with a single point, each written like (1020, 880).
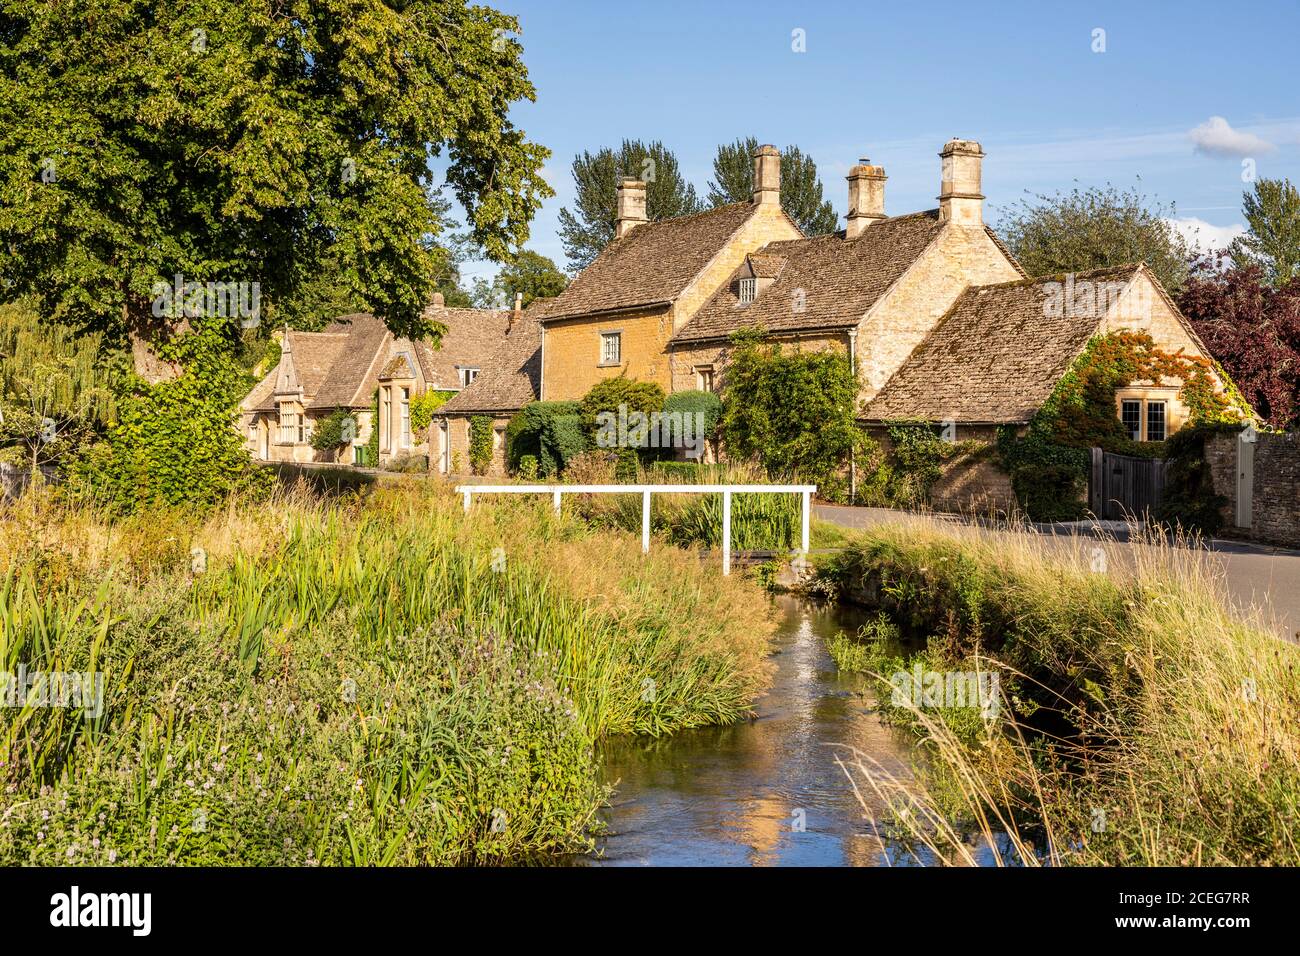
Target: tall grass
(759, 521)
(1145, 720)
(366, 681)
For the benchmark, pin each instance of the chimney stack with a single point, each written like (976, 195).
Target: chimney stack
(866, 197)
(516, 312)
(631, 207)
(960, 199)
(767, 176)
(438, 300)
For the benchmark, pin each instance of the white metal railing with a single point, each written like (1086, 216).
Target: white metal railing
(645, 491)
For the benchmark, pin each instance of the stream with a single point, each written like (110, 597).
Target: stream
(766, 791)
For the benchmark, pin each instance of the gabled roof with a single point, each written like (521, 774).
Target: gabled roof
(351, 379)
(824, 282)
(340, 367)
(651, 265)
(996, 356)
(511, 377)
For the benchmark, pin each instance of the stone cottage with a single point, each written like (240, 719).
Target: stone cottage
(937, 319)
(355, 364)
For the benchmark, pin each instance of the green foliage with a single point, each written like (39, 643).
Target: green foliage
(1094, 228)
(1049, 465)
(57, 389)
(692, 402)
(528, 467)
(1273, 243)
(371, 456)
(250, 143)
(174, 442)
(529, 273)
(794, 412)
(588, 230)
(480, 444)
(524, 434)
(917, 456)
(329, 431)
(564, 439)
(1190, 500)
(422, 408)
(801, 190)
(608, 395)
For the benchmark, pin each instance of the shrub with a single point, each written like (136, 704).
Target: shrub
(563, 440)
(330, 432)
(525, 432)
(1050, 492)
(607, 396)
(793, 412)
(1190, 500)
(528, 467)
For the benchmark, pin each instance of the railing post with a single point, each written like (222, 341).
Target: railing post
(803, 539)
(645, 522)
(467, 494)
(556, 497)
(726, 532)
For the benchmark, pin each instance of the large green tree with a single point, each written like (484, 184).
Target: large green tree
(1272, 211)
(253, 141)
(801, 190)
(1093, 228)
(529, 273)
(589, 227)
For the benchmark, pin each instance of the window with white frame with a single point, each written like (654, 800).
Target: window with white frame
(406, 418)
(1131, 415)
(704, 378)
(748, 290)
(290, 425)
(1144, 419)
(467, 376)
(611, 348)
(1155, 421)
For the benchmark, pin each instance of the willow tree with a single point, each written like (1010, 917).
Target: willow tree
(250, 141)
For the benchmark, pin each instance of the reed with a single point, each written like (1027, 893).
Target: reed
(362, 681)
(1144, 719)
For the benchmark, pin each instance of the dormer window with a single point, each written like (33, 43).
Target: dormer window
(467, 375)
(748, 289)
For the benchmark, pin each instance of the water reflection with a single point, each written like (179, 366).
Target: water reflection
(766, 792)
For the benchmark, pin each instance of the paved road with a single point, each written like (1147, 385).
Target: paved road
(1255, 575)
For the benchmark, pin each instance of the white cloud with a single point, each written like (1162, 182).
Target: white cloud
(1215, 137)
(1203, 237)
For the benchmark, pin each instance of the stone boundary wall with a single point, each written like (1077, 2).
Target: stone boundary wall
(1275, 503)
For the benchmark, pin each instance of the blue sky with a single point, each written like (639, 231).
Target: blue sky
(1181, 95)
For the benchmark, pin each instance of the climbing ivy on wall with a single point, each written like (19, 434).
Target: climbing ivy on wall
(1049, 464)
(422, 408)
(480, 444)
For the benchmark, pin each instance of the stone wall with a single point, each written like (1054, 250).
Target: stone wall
(1221, 455)
(1275, 509)
(973, 485)
(458, 433)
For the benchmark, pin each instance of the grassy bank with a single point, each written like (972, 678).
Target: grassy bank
(359, 681)
(1141, 721)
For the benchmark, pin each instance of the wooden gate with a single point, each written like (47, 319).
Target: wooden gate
(1122, 485)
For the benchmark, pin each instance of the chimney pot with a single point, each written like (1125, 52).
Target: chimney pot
(438, 300)
(866, 198)
(960, 199)
(631, 207)
(767, 176)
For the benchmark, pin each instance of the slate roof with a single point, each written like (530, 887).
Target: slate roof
(840, 279)
(652, 264)
(995, 356)
(511, 377)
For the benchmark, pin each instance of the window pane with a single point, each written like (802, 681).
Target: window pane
(1155, 421)
(1131, 416)
(609, 348)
